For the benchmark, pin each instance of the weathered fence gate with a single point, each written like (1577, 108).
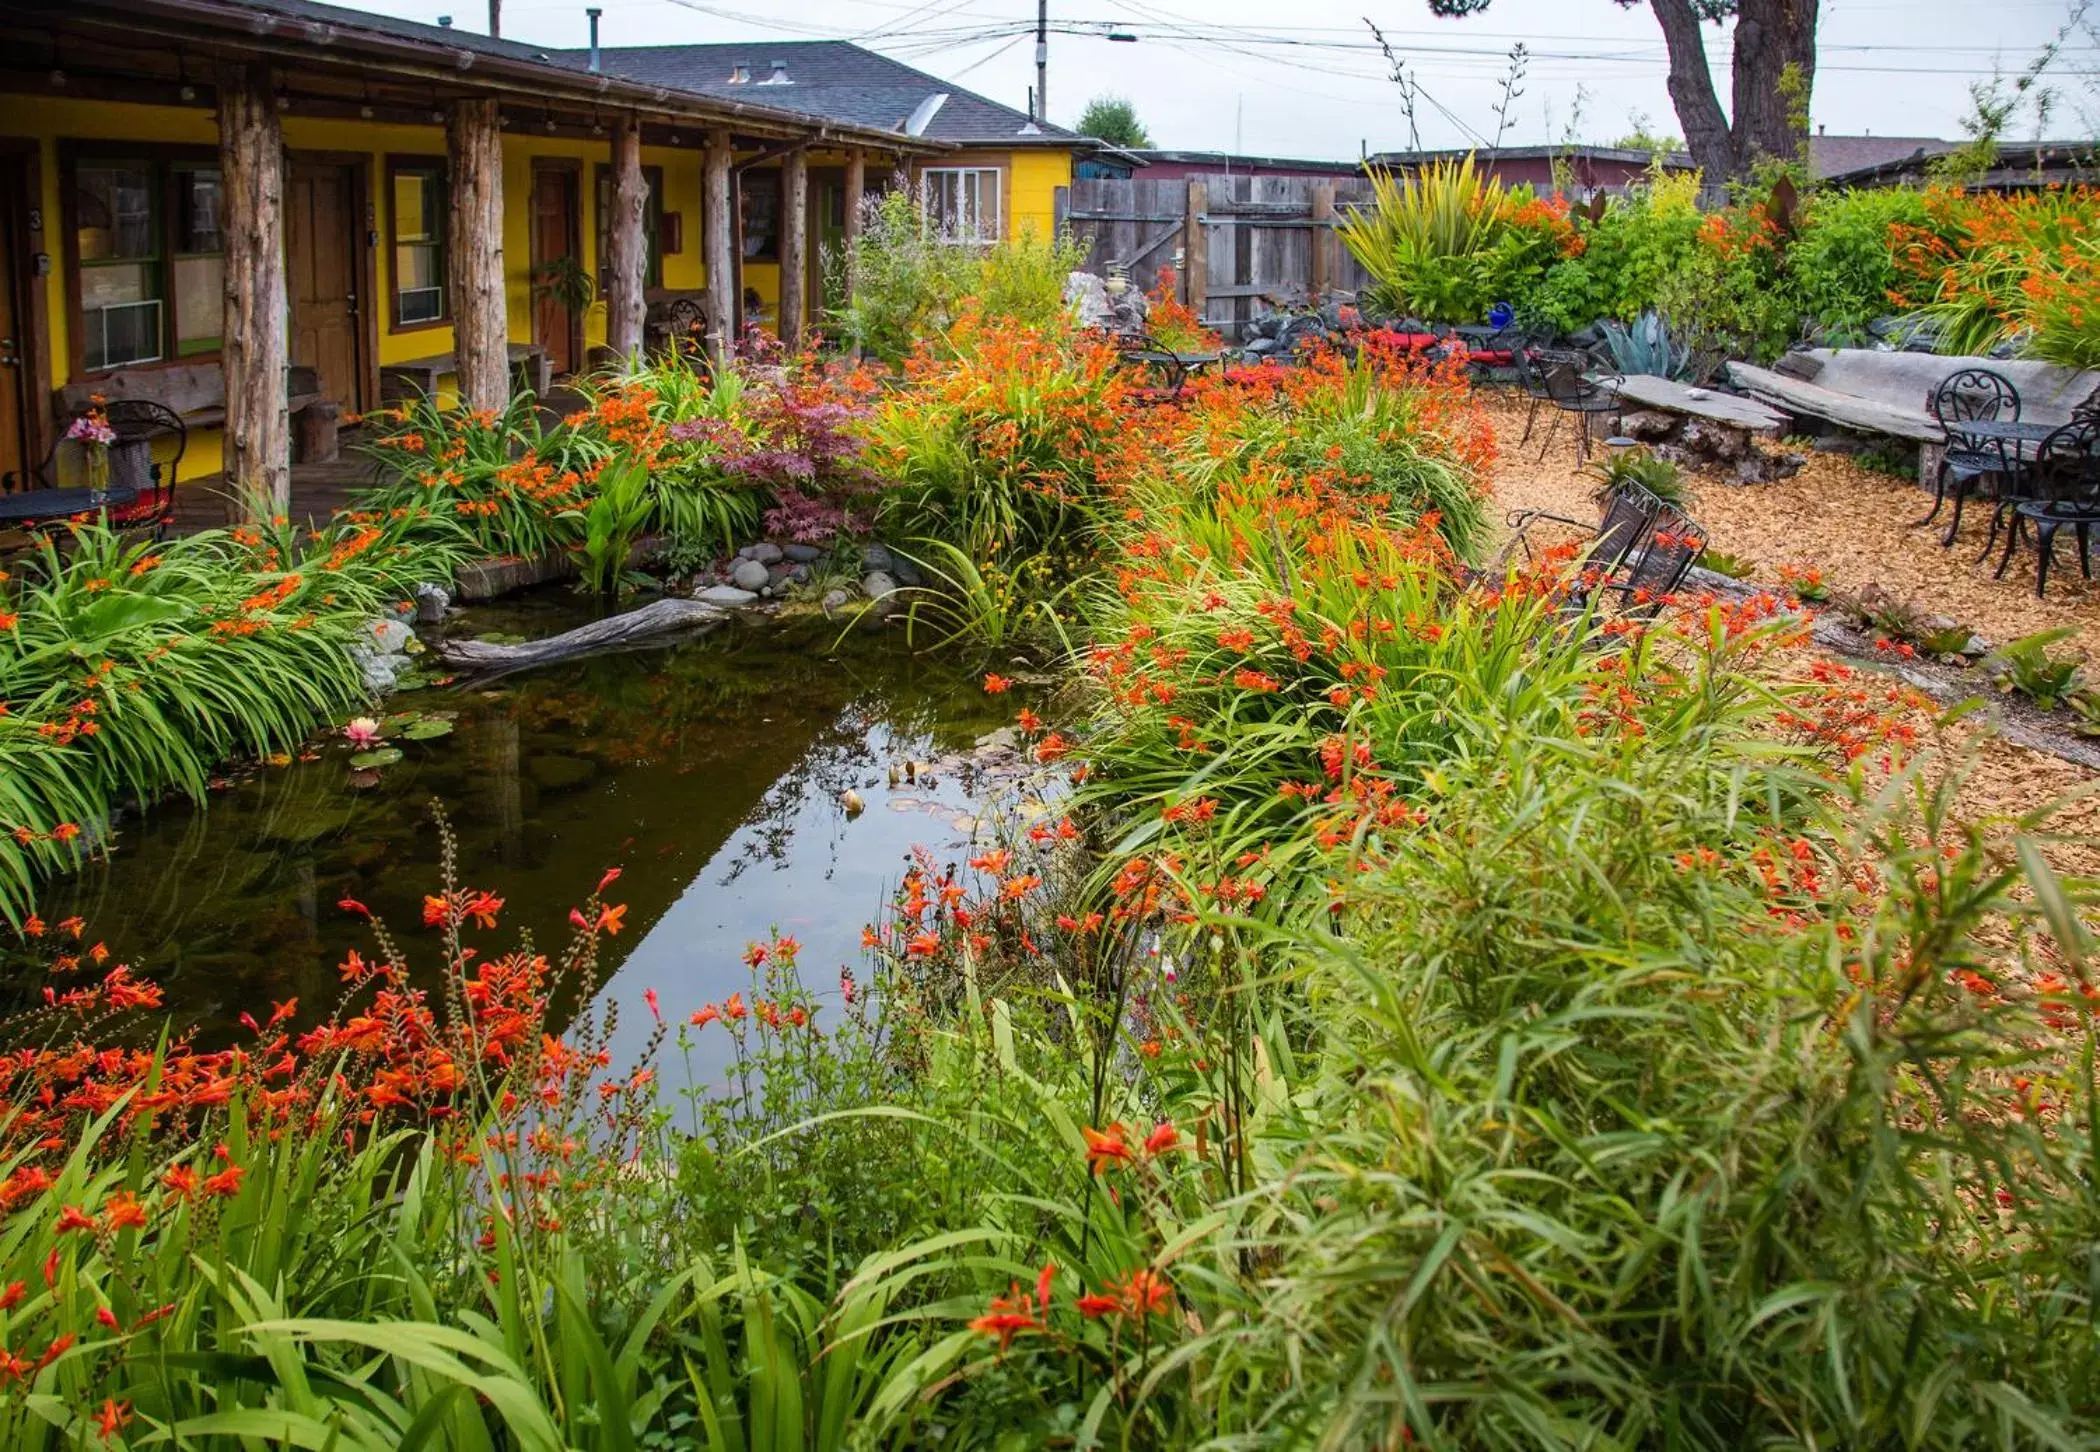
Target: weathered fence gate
(1239, 245)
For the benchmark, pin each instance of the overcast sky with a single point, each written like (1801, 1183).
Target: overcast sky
(1301, 77)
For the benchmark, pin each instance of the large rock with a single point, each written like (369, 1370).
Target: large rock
(875, 557)
(728, 595)
(383, 654)
(431, 603)
(877, 585)
(749, 575)
(765, 552)
(802, 554)
(1087, 296)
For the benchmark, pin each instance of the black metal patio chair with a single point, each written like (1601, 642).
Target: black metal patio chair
(1572, 382)
(146, 458)
(2061, 491)
(1966, 461)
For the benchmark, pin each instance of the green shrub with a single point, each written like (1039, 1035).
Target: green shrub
(1448, 242)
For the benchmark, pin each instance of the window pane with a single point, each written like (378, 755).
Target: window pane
(761, 201)
(419, 206)
(197, 212)
(419, 278)
(120, 333)
(113, 211)
(200, 300)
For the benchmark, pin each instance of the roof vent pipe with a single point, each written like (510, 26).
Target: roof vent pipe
(740, 73)
(444, 22)
(594, 12)
(779, 76)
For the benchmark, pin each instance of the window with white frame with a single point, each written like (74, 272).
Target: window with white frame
(963, 201)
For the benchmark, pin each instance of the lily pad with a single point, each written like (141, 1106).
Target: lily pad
(411, 680)
(371, 760)
(427, 729)
(398, 720)
(364, 781)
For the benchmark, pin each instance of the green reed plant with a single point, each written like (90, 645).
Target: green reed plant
(132, 668)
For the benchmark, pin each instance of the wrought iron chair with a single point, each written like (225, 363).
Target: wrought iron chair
(1966, 461)
(2089, 409)
(146, 457)
(1565, 378)
(1142, 350)
(2062, 492)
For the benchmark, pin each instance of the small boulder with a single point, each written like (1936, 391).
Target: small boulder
(836, 600)
(906, 572)
(749, 575)
(802, 554)
(727, 595)
(876, 558)
(877, 584)
(431, 603)
(799, 574)
(765, 552)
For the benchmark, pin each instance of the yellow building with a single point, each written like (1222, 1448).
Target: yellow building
(122, 226)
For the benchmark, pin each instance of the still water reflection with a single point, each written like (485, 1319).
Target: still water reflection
(711, 772)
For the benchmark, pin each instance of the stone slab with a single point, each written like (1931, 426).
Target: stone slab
(1651, 391)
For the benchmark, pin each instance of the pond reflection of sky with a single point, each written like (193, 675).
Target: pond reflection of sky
(710, 773)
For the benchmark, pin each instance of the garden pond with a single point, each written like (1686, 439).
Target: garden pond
(715, 773)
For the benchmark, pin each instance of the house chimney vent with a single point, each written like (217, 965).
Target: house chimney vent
(444, 22)
(740, 73)
(780, 75)
(594, 12)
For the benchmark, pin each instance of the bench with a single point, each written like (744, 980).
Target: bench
(416, 379)
(196, 393)
(1885, 393)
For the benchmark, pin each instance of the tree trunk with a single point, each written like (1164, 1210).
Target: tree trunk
(258, 447)
(1775, 73)
(1706, 133)
(794, 246)
(474, 256)
(627, 250)
(722, 277)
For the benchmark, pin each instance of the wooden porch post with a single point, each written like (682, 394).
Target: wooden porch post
(721, 254)
(254, 351)
(856, 192)
(474, 256)
(794, 246)
(627, 250)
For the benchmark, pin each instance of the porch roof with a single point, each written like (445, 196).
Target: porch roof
(365, 64)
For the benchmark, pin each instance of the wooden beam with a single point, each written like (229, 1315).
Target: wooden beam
(627, 250)
(1195, 251)
(254, 326)
(794, 247)
(856, 201)
(474, 255)
(721, 263)
(1322, 239)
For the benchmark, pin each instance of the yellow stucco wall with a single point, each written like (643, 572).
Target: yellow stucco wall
(1031, 180)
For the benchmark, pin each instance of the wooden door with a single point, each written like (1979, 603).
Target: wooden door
(16, 354)
(321, 276)
(557, 225)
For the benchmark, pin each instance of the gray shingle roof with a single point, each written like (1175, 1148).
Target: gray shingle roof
(1835, 155)
(833, 79)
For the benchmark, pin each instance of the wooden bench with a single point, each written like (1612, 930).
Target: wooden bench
(417, 378)
(197, 393)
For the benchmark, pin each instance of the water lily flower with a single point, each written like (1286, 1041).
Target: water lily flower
(362, 732)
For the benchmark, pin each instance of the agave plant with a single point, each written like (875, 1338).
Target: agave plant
(1647, 346)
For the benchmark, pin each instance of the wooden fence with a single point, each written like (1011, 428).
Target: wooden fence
(1239, 245)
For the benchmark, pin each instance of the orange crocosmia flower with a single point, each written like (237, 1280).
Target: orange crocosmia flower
(1163, 1139)
(705, 1015)
(734, 1009)
(124, 1211)
(113, 1417)
(923, 946)
(610, 918)
(227, 1182)
(1095, 1304)
(72, 1217)
(996, 684)
(1007, 1316)
(1145, 1292)
(1106, 1147)
(180, 1180)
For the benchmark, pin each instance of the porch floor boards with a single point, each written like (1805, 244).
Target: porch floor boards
(318, 491)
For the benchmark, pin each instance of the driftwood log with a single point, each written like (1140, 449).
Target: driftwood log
(654, 624)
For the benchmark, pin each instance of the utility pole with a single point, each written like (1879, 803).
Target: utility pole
(495, 19)
(1042, 62)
